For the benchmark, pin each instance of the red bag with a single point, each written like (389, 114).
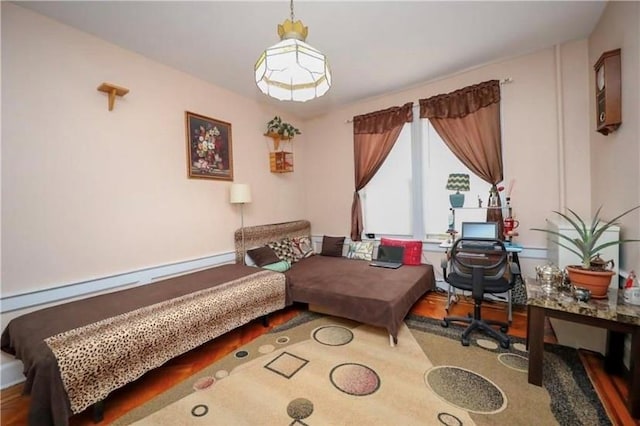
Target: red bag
(412, 249)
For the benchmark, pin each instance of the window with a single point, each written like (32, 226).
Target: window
(407, 197)
(438, 161)
(386, 200)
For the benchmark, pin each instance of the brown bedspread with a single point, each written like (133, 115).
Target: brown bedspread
(25, 336)
(352, 289)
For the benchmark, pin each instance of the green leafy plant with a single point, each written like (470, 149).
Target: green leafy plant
(285, 130)
(586, 244)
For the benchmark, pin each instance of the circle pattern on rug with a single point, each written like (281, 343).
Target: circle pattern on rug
(241, 354)
(449, 419)
(204, 383)
(515, 362)
(332, 335)
(199, 410)
(282, 340)
(265, 349)
(487, 344)
(221, 374)
(355, 379)
(466, 389)
(300, 408)
(519, 347)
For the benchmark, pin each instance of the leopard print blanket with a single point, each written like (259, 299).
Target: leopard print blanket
(98, 358)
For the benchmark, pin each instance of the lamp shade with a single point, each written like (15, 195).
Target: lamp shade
(239, 193)
(458, 182)
(292, 70)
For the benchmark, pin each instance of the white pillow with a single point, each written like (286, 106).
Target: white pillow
(360, 250)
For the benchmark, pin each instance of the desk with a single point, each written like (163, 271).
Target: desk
(612, 314)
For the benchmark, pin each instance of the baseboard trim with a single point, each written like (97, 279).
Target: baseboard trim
(11, 372)
(129, 279)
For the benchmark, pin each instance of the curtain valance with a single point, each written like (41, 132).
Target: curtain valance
(384, 120)
(462, 102)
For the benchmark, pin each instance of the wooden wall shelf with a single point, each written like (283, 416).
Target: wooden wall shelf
(112, 90)
(281, 162)
(277, 138)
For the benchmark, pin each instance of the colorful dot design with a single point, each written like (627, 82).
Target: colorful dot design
(241, 354)
(449, 419)
(204, 383)
(282, 340)
(515, 362)
(300, 408)
(199, 410)
(466, 389)
(355, 379)
(332, 335)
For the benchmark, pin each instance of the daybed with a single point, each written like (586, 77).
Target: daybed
(76, 353)
(345, 287)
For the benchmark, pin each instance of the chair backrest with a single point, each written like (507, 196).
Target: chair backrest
(487, 255)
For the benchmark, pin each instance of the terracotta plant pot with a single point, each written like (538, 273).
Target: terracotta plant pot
(596, 281)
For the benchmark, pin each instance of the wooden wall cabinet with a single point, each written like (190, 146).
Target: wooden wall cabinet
(280, 160)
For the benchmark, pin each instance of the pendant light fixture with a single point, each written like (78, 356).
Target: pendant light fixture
(291, 70)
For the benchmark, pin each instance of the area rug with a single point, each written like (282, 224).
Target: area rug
(320, 370)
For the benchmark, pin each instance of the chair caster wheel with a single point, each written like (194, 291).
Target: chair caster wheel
(465, 342)
(504, 328)
(504, 345)
(444, 323)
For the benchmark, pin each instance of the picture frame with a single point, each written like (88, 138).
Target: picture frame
(209, 147)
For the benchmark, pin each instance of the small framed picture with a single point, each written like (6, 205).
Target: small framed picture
(209, 147)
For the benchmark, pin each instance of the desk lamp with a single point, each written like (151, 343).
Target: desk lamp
(457, 182)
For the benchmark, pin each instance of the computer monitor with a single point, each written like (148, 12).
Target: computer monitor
(480, 230)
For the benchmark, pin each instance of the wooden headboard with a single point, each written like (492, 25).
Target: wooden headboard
(255, 236)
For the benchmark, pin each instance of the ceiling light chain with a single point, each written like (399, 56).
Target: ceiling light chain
(292, 69)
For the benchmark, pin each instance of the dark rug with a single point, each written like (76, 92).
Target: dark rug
(319, 370)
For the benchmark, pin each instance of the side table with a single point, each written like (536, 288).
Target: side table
(611, 313)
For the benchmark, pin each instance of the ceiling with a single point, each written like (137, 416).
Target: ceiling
(374, 47)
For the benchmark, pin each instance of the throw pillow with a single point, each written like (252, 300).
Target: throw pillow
(360, 250)
(412, 249)
(280, 266)
(263, 256)
(302, 247)
(283, 249)
(332, 246)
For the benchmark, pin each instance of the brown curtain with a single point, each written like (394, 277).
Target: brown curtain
(374, 135)
(468, 120)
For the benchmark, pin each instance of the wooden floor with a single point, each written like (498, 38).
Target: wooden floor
(14, 406)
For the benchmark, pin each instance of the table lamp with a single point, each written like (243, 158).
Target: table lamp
(240, 193)
(457, 182)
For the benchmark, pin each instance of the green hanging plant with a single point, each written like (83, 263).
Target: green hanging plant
(285, 130)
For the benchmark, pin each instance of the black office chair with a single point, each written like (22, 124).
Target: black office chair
(480, 266)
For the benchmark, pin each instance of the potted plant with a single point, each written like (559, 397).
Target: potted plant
(278, 127)
(594, 277)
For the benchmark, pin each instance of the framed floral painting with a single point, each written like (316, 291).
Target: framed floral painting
(209, 150)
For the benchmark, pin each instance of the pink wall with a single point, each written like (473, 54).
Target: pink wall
(87, 192)
(531, 141)
(615, 158)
